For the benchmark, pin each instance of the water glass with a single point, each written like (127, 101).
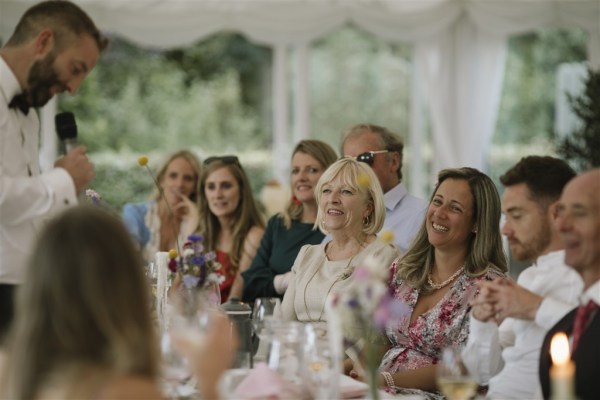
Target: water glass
(322, 365)
(285, 349)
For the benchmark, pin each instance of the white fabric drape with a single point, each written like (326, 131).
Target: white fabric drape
(463, 72)
(460, 43)
(281, 143)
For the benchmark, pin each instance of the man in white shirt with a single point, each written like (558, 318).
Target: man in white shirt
(509, 320)
(382, 150)
(54, 46)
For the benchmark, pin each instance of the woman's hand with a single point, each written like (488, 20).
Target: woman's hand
(189, 214)
(211, 356)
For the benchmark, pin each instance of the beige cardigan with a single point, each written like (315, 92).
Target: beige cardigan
(314, 276)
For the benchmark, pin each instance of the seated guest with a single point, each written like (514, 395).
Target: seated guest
(156, 225)
(457, 247)
(382, 150)
(77, 332)
(287, 232)
(351, 210)
(505, 356)
(230, 220)
(579, 226)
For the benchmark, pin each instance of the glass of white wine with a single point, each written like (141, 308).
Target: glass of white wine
(453, 378)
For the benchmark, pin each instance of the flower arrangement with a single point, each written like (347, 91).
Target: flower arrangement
(367, 307)
(197, 268)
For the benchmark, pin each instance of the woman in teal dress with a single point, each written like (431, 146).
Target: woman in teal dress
(287, 232)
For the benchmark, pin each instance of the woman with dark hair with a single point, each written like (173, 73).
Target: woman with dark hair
(288, 231)
(172, 215)
(83, 327)
(458, 245)
(229, 220)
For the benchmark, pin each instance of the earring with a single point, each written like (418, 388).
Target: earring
(366, 220)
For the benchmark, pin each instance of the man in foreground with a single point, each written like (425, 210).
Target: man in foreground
(579, 226)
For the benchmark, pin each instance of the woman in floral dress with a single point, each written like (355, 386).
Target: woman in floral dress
(458, 246)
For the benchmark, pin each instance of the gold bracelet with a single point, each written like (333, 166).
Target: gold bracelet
(389, 381)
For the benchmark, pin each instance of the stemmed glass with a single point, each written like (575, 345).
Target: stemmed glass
(188, 319)
(264, 309)
(453, 378)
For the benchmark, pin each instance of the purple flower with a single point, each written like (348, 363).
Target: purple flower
(190, 281)
(361, 273)
(196, 237)
(390, 309)
(198, 260)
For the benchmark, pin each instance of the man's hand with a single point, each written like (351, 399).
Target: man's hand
(505, 298)
(77, 164)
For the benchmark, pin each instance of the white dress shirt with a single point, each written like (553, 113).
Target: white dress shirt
(27, 196)
(507, 356)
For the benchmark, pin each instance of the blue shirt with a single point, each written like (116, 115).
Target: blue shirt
(404, 215)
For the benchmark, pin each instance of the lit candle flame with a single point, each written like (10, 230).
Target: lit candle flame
(559, 349)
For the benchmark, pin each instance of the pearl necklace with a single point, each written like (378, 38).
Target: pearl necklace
(438, 286)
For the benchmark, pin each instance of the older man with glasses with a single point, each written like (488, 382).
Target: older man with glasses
(382, 150)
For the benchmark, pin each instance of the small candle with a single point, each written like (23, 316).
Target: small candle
(562, 372)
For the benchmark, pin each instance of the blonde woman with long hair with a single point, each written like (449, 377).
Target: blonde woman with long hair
(172, 214)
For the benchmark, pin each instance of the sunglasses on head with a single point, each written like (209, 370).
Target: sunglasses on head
(369, 156)
(223, 159)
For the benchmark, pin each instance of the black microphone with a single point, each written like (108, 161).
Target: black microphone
(66, 129)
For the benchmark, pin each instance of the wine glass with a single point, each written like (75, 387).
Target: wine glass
(264, 307)
(453, 378)
(189, 315)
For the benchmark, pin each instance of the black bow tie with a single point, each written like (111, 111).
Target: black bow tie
(20, 101)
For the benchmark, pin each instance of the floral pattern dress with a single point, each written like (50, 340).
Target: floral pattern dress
(419, 343)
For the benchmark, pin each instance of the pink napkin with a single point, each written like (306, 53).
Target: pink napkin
(264, 383)
(351, 388)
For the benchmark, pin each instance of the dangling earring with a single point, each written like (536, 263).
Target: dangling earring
(366, 220)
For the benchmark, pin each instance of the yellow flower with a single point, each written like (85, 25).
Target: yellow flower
(143, 161)
(387, 236)
(172, 253)
(364, 181)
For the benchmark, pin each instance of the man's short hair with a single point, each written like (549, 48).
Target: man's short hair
(544, 176)
(64, 18)
(389, 141)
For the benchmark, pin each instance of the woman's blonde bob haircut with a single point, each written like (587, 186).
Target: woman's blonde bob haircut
(360, 177)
